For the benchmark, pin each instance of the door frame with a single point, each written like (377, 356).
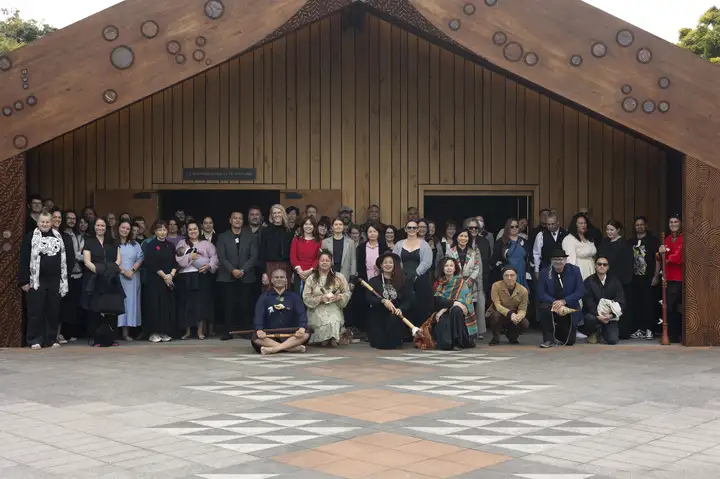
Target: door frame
(532, 191)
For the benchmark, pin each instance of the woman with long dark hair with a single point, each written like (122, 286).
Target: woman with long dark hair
(326, 294)
(159, 289)
(197, 262)
(324, 227)
(511, 250)
(454, 324)
(304, 251)
(72, 315)
(619, 254)
(579, 245)
(385, 328)
(391, 236)
(416, 258)
(131, 259)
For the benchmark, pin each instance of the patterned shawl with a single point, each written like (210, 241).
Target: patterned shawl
(455, 289)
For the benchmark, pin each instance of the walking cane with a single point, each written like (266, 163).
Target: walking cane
(665, 341)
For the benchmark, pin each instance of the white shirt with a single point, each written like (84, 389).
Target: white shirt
(538, 246)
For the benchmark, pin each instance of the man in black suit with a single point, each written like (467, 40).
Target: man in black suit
(237, 252)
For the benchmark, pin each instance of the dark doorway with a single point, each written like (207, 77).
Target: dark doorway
(218, 204)
(494, 209)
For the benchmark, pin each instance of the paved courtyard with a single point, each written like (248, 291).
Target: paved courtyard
(211, 409)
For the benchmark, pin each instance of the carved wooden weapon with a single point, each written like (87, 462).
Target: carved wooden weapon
(665, 341)
(379, 296)
(291, 331)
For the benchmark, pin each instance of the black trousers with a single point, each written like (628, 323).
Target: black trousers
(565, 331)
(643, 306)
(43, 310)
(238, 306)
(626, 320)
(610, 330)
(674, 299)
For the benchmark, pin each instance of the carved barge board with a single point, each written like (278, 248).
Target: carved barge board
(553, 31)
(119, 56)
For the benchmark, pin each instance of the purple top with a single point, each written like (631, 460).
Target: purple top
(176, 240)
(207, 255)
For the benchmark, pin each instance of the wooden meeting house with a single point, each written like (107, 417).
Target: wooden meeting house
(387, 102)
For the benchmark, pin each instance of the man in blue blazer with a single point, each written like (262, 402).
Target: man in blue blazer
(560, 286)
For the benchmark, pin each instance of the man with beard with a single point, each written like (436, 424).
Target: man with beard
(35, 207)
(646, 275)
(373, 219)
(547, 241)
(345, 213)
(255, 222)
(255, 219)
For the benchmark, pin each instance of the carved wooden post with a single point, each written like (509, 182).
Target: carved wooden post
(701, 241)
(12, 230)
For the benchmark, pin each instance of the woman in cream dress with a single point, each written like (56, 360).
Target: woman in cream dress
(325, 295)
(579, 246)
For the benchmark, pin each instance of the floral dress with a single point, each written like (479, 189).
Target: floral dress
(327, 320)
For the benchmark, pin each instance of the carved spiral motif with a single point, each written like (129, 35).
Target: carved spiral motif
(469, 9)
(149, 29)
(198, 55)
(214, 9)
(513, 51)
(599, 49)
(625, 38)
(7, 111)
(20, 142)
(664, 106)
(576, 60)
(531, 59)
(454, 25)
(5, 63)
(18, 105)
(664, 83)
(110, 96)
(173, 47)
(644, 55)
(626, 89)
(110, 33)
(629, 104)
(122, 57)
(180, 58)
(201, 41)
(499, 38)
(648, 106)
(31, 100)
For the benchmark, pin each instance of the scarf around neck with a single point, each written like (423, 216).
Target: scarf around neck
(36, 247)
(455, 289)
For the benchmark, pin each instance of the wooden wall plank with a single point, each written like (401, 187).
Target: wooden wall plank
(595, 168)
(279, 105)
(520, 128)
(173, 128)
(45, 163)
(348, 115)
(570, 162)
(412, 116)
(479, 134)
(446, 158)
(423, 138)
(112, 150)
(336, 102)
(316, 95)
(385, 73)
(510, 132)
(224, 118)
(68, 175)
(303, 108)
(124, 149)
(583, 161)
(91, 163)
(403, 186)
(258, 116)
(498, 129)
(161, 135)
(372, 29)
(629, 212)
(555, 153)
(57, 167)
(641, 185)
(532, 140)
(188, 126)
(469, 123)
(396, 116)
(199, 110)
(291, 105)
(242, 114)
(544, 128)
(79, 161)
(459, 124)
(434, 94)
(326, 107)
(267, 158)
(362, 125)
(618, 209)
(136, 171)
(147, 140)
(212, 119)
(487, 131)
(607, 176)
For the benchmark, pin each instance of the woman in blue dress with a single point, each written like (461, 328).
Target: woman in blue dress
(131, 258)
(511, 250)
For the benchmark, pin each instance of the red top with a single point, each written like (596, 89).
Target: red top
(304, 253)
(674, 258)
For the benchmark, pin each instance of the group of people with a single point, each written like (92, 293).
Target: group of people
(333, 282)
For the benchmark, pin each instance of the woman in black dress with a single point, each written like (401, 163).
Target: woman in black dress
(416, 257)
(159, 288)
(385, 328)
(102, 293)
(274, 246)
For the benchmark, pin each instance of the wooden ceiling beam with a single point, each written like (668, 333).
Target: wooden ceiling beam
(120, 55)
(595, 60)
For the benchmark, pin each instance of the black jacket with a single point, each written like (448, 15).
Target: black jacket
(620, 256)
(274, 245)
(499, 257)
(595, 291)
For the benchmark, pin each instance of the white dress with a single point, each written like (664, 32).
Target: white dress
(581, 254)
(326, 319)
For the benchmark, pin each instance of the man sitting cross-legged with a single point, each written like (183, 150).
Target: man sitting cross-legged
(279, 308)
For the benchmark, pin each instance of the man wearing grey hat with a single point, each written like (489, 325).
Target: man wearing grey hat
(346, 214)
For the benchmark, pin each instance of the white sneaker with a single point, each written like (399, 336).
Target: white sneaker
(35, 347)
(649, 335)
(55, 345)
(639, 334)
(580, 335)
(166, 338)
(155, 338)
(61, 339)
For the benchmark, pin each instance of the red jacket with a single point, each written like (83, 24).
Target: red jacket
(674, 258)
(304, 253)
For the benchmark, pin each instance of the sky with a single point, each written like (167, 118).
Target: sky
(660, 17)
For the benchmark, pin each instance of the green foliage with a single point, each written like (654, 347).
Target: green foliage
(16, 32)
(704, 40)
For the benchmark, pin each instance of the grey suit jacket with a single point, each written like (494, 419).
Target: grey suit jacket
(348, 265)
(230, 259)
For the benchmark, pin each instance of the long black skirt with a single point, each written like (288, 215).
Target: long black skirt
(423, 303)
(194, 299)
(385, 330)
(159, 303)
(450, 332)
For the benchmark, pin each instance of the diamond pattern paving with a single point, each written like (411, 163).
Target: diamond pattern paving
(278, 361)
(267, 388)
(477, 388)
(256, 431)
(447, 359)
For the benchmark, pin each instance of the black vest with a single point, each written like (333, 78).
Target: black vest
(549, 244)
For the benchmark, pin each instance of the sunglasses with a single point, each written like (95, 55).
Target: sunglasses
(411, 228)
(473, 228)
(514, 227)
(601, 264)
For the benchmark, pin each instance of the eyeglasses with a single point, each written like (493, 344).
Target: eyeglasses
(473, 228)
(514, 227)
(411, 228)
(601, 264)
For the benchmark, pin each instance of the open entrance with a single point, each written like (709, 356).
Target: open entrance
(442, 206)
(218, 204)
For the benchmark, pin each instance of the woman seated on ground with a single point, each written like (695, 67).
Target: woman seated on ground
(325, 295)
(453, 324)
(385, 328)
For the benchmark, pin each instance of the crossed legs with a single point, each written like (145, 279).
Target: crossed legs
(270, 346)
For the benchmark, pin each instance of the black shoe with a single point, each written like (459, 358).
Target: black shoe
(513, 341)
(546, 344)
(226, 337)
(494, 341)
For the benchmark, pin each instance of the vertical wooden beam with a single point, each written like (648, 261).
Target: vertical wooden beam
(12, 222)
(700, 226)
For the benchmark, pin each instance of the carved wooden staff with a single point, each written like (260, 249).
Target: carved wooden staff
(415, 330)
(665, 341)
(290, 331)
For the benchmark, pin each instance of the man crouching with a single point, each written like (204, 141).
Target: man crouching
(279, 308)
